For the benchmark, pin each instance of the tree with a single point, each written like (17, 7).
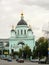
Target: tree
(16, 53)
(20, 52)
(40, 47)
(27, 51)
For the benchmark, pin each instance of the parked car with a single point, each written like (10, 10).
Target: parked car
(35, 60)
(2, 57)
(20, 60)
(17, 59)
(43, 60)
(9, 59)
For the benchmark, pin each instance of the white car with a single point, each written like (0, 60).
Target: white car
(43, 60)
(35, 60)
(20, 60)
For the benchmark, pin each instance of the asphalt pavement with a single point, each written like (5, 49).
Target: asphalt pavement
(14, 62)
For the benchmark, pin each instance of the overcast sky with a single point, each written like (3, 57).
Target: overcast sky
(36, 14)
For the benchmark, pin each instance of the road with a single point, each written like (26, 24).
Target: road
(3, 62)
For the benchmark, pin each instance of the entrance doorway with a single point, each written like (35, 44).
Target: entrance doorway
(22, 53)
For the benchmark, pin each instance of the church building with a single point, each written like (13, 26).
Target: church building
(22, 35)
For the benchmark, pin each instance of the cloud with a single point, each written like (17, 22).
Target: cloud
(42, 3)
(34, 15)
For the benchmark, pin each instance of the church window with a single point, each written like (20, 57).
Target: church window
(21, 32)
(24, 31)
(11, 46)
(18, 32)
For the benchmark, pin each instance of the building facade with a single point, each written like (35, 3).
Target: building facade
(21, 35)
(3, 49)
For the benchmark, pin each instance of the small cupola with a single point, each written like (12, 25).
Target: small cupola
(29, 30)
(13, 32)
(12, 29)
(30, 33)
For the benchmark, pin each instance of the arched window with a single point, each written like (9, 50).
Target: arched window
(18, 32)
(24, 31)
(21, 32)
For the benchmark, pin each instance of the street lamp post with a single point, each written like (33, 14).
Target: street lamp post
(39, 56)
(39, 52)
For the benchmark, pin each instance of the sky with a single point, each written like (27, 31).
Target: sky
(36, 14)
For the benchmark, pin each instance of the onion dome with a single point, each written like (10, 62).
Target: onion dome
(12, 28)
(29, 30)
(22, 22)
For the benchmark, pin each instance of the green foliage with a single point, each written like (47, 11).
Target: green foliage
(26, 52)
(40, 48)
(20, 52)
(15, 53)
